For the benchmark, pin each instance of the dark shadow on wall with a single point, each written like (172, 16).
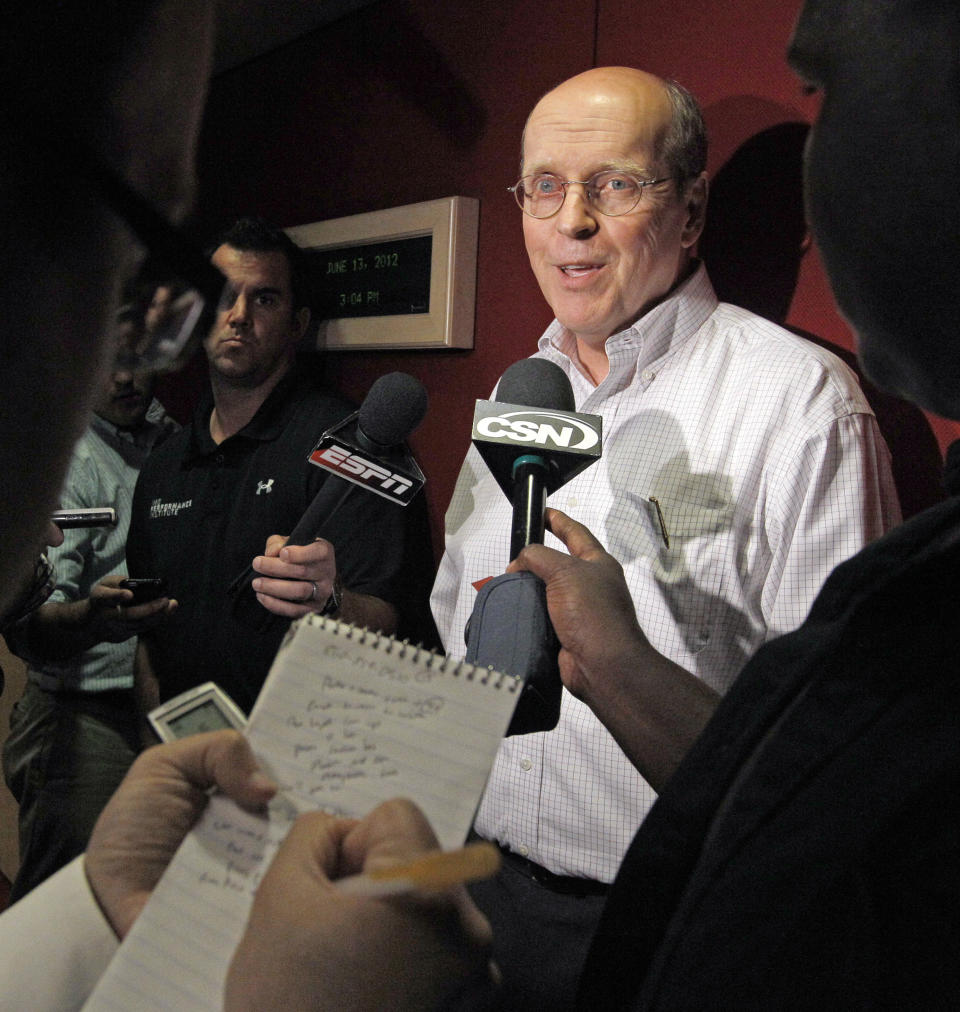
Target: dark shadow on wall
(756, 232)
(753, 243)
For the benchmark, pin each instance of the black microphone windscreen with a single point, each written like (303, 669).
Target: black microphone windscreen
(536, 383)
(393, 408)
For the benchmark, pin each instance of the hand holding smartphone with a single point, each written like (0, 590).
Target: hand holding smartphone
(145, 588)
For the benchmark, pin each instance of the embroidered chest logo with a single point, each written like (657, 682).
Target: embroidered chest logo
(265, 486)
(158, 508)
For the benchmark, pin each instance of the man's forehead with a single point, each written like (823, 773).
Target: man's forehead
(820, 26)
(262, 267)
(833, 38)
(609, 127)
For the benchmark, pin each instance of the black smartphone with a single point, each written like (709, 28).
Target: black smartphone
(146, 589)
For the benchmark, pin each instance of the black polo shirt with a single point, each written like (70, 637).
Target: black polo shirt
(201, 512)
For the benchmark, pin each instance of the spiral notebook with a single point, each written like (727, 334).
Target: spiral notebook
(345, 720)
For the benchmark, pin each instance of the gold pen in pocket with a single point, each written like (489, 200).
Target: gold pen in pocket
(663, 523)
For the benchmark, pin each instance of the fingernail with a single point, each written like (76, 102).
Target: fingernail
(261, 782)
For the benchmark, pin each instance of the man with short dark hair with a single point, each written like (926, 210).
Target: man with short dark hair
(236, 481)
(740, 465)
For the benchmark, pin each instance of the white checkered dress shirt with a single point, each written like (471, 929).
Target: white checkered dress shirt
(769, 470)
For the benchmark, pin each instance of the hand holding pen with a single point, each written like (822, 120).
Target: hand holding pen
(437, 869)
(322, 932)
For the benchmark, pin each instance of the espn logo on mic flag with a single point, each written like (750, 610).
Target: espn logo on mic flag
(399, 482)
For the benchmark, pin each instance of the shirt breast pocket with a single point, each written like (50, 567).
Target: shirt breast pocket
(683, 553)
(664, 527)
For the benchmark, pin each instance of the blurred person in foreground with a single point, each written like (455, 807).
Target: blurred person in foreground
(127, 80)
(75, 730)
(97, 78)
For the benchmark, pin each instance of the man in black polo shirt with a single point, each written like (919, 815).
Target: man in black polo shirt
(234, 481)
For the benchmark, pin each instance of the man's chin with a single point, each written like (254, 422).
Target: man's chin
(231, 361)
(238, 372)
(900, 375)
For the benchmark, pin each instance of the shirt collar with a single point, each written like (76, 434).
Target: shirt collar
(143, 436)
(655, 335)
(267, 424)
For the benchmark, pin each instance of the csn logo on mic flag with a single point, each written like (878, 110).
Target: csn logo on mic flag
(570, 442)
(394, 473)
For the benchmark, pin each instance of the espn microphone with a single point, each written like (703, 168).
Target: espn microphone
(367, 450)
(534, 442)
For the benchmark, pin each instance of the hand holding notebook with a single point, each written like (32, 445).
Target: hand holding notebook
(346, 720)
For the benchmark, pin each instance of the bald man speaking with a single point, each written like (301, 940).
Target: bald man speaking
(740, 465)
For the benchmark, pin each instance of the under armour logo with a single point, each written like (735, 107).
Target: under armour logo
(265, 486)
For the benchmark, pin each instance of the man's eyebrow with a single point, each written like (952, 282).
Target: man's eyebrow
(626, 165)
(267, 290)
(615, 165)
(794, 57)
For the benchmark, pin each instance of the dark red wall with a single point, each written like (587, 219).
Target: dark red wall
(415, 100)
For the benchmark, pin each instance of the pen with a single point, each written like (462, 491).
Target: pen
(437, 870)
(97, 516)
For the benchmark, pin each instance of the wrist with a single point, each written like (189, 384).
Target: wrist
(86, 612)
(335, 600)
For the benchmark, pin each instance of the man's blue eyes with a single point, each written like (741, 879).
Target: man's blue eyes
(547, 185)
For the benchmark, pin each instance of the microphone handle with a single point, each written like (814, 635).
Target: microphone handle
(529, 502)
(319, 511)
(316, 514)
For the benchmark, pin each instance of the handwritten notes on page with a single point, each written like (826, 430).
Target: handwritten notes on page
(347, 725)
(346, 719)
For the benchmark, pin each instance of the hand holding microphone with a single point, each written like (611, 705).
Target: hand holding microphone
(533, 442)
(293, 580)
(366, 452)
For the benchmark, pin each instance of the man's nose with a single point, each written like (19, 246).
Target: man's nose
(577, 217)
(238, 315)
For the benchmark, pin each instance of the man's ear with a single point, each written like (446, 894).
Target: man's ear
(695, 202)
(302, 319)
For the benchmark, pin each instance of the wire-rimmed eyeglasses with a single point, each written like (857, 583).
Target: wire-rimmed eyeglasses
(611, 192)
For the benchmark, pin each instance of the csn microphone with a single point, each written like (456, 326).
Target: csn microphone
(366, 450)
(533, 442)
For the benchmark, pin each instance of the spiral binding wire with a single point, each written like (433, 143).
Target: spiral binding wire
(434, 661)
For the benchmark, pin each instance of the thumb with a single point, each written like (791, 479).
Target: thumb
(274, 543)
